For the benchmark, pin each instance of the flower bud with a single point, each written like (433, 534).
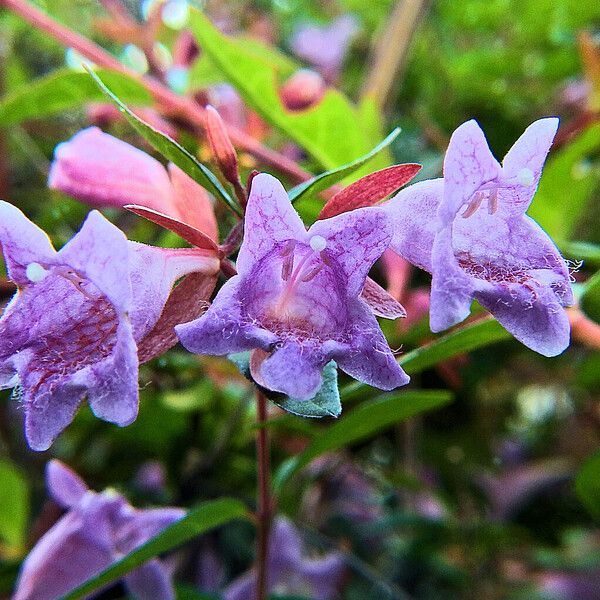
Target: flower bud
(303, 89)
(221, 145)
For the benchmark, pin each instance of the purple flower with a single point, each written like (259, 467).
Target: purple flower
(289, 571)
(296, 298)
(470, 231)
(96, 530)
(72, 327)
(325, 47)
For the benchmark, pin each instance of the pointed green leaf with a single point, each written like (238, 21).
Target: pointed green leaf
(205, 516)
(587, 484)
(364, 421)
(67, 90)
(14, 505)
(171, 150)
(325, 403)
(325, 180)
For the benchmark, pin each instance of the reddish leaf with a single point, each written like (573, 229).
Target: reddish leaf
(380, 302)
(187, 232)
(188, 300)
(369, 189)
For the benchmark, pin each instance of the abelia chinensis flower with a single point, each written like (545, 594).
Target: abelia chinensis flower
(289, 571)
(296, 298)
(470, 231)
(97, 530)
(73, 327)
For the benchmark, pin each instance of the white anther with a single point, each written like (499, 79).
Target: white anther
(35, 272)
(318, 243)
(525, 177)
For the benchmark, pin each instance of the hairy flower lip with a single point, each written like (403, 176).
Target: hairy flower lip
(303, 316)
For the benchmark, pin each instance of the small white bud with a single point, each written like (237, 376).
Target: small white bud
(525, 177)
(35, 272)
(318, 243)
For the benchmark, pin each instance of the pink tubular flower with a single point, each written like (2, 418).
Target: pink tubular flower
(470, 231)
(73, 328)
(296, 298)
(96, 530)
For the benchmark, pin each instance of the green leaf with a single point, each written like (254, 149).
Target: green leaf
(171, 150)
(585, 251)
(568, 181)
(205, 516)
(330, 132)
(14, 505)
(470, 337)
(364, 421)
(325, 403)
(587, 484)
(325, 180)
(66, 90)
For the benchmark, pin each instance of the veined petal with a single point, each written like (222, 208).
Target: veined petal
(294, 370)
(101, 170)
(354, 241)
(532, 314)
(468, 165)
(64, 485)
(223, 329)
(523, 164)
(369, 358)
(451, 288)
(270, 219)
(23, 243)
(100, 253)
(413, 212)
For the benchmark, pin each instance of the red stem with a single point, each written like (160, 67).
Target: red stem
(181, 105)
(264, 506)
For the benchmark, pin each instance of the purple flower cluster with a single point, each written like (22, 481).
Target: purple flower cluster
(298, 300)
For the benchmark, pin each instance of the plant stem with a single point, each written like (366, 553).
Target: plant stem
(264, 504)
(181, 105)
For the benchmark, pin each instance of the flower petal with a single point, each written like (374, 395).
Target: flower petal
(354, 241)
(150, 582)
(270, 219)
(294, 370)
(451, 288)
(369, 358)
(223, 329)
(22, 243)
(528, 153)
(64, 485)
(100, 253)
(413, 212)
(381, 302)
(101, 170)
(468, 164)
(533, 315)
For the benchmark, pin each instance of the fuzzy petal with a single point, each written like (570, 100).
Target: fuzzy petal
(223, 329)
(153, 273)
(369, 359)
(529, 152)
(413, 213)
(451, 288)
(468, 165)
(355, 240)
(150, 582)
(100, 253)
(22, 243)
(294, 370)
(64, 485)
(101, 170)
(533, 315)
(270, 219)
